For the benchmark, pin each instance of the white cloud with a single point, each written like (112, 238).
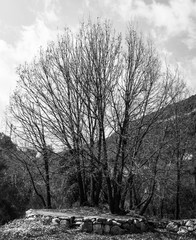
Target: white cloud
(190, 39)
(172, 18)
(51, 11)
(188, 68)
(32, 37)
(24, 49)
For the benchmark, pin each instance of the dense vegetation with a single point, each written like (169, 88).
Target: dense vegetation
(99, 122)
(14, 195)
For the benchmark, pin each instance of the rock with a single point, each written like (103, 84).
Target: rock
(126, 226)
(87, 226)
(80, 219)
(172, 226)
(29, 213)
(46, 220)
(97, 228)
(109, 222)
(130, 227)
(55, 221)
(189, 223)
(106, 229)
(137, 223)
(75, 224)
(65, 223)
(114, 222)
(31, 218)
(182, 230)
(190, 229)
(122, 221)
(116, 230)
(101, 220)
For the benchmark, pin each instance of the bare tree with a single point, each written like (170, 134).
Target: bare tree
(30, 128)
(102, 98)
(137, 103)
(178, 136)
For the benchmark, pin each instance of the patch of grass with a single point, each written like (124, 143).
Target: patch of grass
(23, 229)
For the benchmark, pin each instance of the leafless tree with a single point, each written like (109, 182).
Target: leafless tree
(102, 98)
(30, 128)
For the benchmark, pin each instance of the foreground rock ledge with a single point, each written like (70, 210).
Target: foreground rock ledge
(113, 226)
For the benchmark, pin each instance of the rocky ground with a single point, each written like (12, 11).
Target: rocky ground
(28, 228)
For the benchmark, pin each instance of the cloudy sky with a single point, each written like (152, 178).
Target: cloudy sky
(27, 24)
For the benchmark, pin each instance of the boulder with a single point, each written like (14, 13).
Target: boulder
(106, 229)
(189, 223)
(87, 226)
(109, 222)
(172, 226)
(75, 224)
(31, 218)
(116, 230)
(65, 223)
(190, 229)
(137, 223)
(182, 230)
(126, 226)
(55, 221)
(97, 228)
(130, 227)
(29, 213)
(46, 220)
(101, 220)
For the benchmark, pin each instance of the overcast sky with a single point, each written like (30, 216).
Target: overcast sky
(27, 24)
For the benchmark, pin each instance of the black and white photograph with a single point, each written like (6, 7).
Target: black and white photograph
(97, 119)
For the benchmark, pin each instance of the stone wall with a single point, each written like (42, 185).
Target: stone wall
(182, 226)
(97, 225)
(115, 226)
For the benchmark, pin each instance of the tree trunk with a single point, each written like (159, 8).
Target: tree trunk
(110, 195)
(34, 187)
(83, 198)
(92, 189)
(143, 209)
(148, 200)
(98, 188)
(161, 208)
(47, 181)
(95, 189)
(177, 210)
